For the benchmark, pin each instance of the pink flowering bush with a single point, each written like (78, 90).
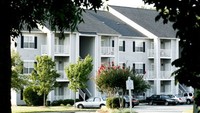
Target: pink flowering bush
(111, 78)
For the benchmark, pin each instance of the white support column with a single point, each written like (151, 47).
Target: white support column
(97, 61)
(157, 63)
(116, 50)
(50, 44)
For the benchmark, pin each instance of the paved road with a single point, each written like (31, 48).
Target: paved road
(144, 108)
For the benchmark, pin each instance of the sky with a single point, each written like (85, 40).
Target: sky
(129, 3)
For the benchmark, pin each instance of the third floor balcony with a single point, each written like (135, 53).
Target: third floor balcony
(164, 53)
(59, 50)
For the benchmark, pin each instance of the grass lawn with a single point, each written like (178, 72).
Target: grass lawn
(39, 109)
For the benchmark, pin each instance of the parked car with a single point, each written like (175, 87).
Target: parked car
(92, 102)
(161, 99)
(179, 98)
(189, 97)
(135, 101)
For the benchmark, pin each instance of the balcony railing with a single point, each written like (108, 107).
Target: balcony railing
(58, 49)
(61, 49)
(107, 50)
(150, 75)
(62, 75)
(165, 74)
(163, 53)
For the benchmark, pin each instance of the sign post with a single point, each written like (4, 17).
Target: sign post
(129, 86)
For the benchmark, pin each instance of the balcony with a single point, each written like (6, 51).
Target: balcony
(150, 75)
(107, 51)
(165, 74)
(59, 50)
(164, 53)
(63, 77)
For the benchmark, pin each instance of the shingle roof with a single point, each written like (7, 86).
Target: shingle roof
(92, 25)
(146, 19)
(115, 23)
(105, 23)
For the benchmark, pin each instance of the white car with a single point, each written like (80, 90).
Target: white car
(92, 102)
(180, 99)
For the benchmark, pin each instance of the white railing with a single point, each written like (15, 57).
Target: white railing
(150, 75)
(58, 49)
(61, 49)
(165, 74)
(107, 50)
(163, 53)
(62, 75)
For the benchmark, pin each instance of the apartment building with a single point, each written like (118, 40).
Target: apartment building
(125, 36)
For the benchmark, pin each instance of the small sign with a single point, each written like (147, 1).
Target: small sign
(129, 84)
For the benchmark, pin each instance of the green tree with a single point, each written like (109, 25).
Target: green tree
(185, 17)
(18, 80)
(77, 73)
(26, 14)
(112, 78)
(43, 78)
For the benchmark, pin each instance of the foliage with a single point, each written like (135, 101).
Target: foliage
(113, 102)
(112, 78)
(31, 97)
(43, 78)
(18, 80)
(26, 14)
(197, 98)
(185, 16)
(64, 102)
(60, 15)
(77, 73)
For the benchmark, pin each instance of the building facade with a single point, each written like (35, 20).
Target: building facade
(125, 36)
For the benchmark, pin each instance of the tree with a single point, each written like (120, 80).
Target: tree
(77, 73)
(26, 14)
(185, 16)
(112, 78)
(43, 78)
(18, 80)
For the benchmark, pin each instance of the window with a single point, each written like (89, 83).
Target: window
(28, 67)
(139, 68)
(59, 91)
(138, 46)
(29, 41)
(121, 45)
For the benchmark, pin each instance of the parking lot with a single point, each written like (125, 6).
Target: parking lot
(145, 108)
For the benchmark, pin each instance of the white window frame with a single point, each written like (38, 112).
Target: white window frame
(29, 42)
(28, 64)
(139, 68)
(139, 46)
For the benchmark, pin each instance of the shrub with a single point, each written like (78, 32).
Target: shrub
(63, 102)
(113, 102)
(32, 98)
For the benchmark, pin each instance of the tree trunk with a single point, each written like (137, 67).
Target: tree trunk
(75, 98)
(44, 99)
(5, 57)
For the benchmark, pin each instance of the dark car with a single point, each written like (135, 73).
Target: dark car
(161, 99)
(135, 101)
